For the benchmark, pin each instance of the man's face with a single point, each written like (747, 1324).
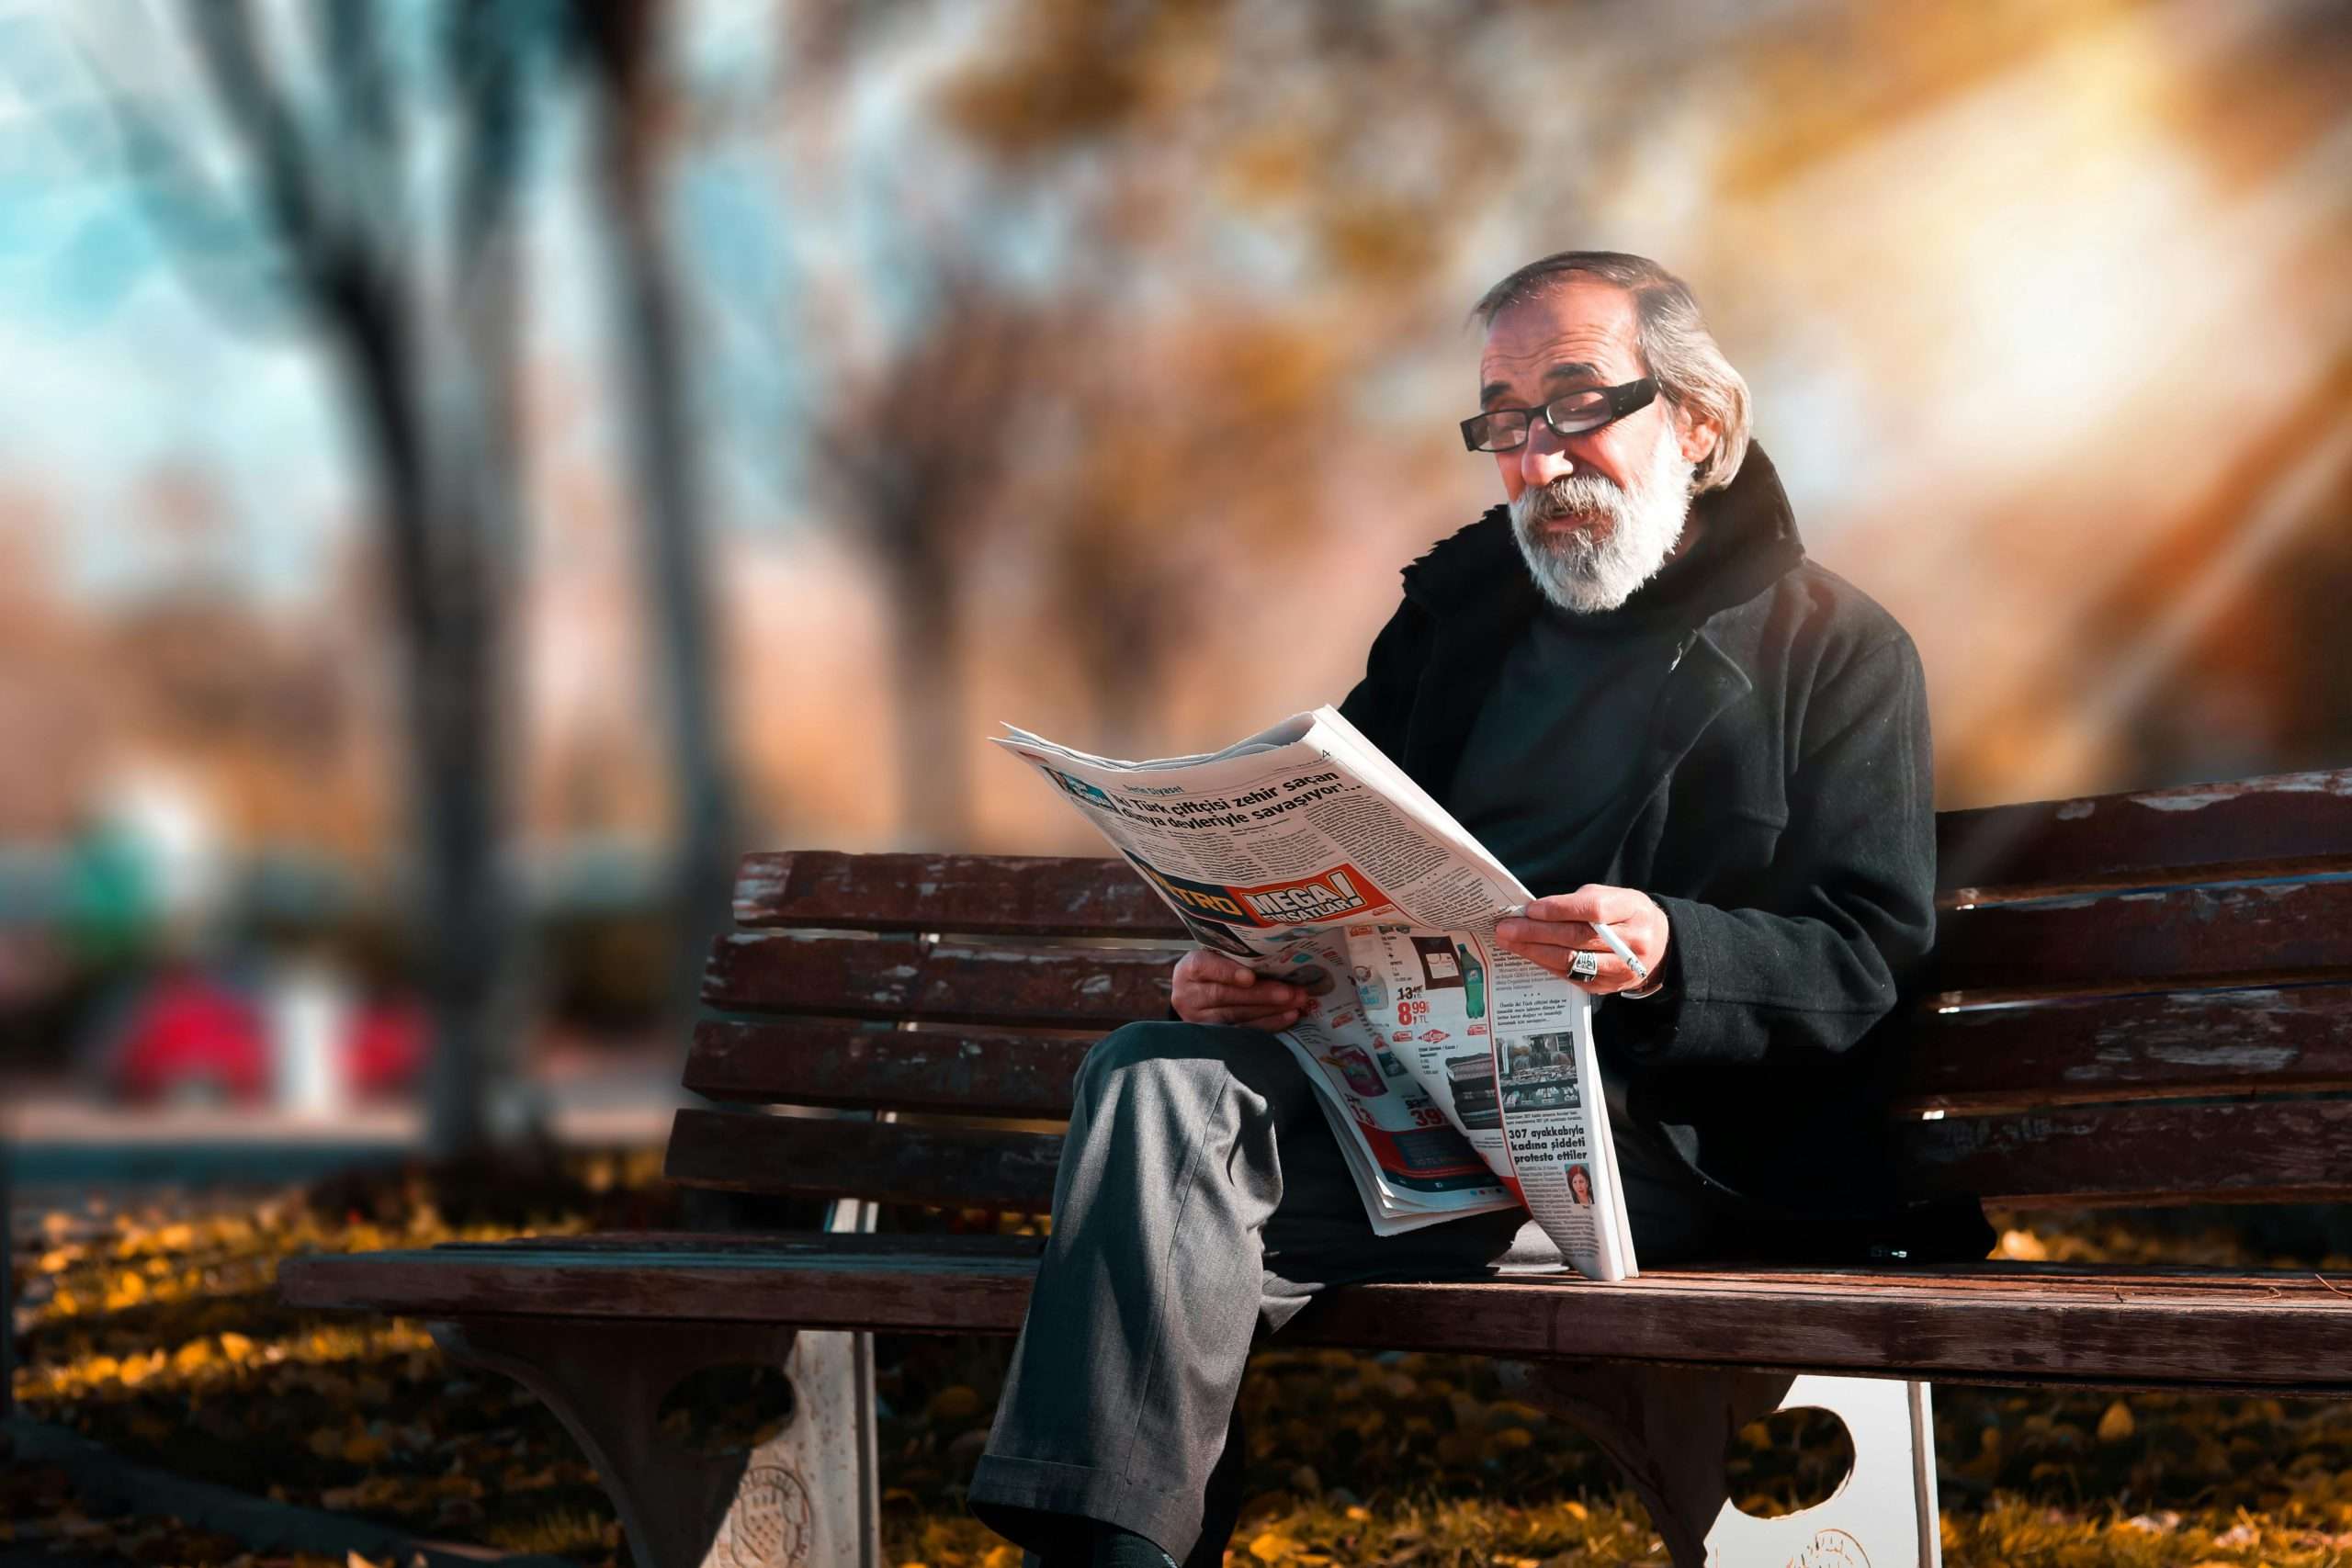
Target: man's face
(1595, 514)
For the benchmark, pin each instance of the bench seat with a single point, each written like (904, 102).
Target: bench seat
(2135, 999)
(2118, 1327)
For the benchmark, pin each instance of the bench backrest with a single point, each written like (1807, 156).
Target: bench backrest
(2135, 999)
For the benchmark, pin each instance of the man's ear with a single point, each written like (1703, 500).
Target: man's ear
(1696, 437)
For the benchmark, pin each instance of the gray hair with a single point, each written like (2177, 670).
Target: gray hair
(1675, 345)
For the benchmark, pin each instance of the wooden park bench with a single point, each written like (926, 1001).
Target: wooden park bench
(2137, 999)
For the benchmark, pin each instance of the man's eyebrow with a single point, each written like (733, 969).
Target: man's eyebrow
(1566, 370)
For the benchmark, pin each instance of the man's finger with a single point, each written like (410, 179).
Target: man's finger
(1204, 967)
(1199, 1002)
(1250, 1018)
(1613, 975)
(1536, 932)
(1575, 937)
(1268, 994)
(1595, 901)
(1577, 906)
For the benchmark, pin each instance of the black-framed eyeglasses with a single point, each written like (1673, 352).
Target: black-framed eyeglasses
(1589, 408)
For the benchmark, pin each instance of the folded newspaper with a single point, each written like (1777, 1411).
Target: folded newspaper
(1459, 1079)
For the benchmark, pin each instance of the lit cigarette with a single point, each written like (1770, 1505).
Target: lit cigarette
(1617, 945)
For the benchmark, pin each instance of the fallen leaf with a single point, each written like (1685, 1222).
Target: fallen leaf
(1271, 1546)
(957, 1403)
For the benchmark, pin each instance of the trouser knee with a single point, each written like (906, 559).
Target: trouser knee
(1136, 1053)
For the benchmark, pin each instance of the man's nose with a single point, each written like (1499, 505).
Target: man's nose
(1543, 457)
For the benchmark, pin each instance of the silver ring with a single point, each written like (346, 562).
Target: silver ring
(1584, 966)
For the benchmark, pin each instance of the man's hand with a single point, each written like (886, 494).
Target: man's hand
(1553, 930)
(1212, 988)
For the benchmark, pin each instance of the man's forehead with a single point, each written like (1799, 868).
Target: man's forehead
(1574, 328)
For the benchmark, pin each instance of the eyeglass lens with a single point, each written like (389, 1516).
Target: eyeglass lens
(1570, 415)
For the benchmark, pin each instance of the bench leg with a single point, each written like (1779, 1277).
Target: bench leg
(1668, 1426)
(805, 1499)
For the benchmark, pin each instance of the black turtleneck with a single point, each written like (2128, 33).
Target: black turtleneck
(1546, 782)
(1544, 777)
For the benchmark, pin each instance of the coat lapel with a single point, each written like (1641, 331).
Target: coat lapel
(1704, 682)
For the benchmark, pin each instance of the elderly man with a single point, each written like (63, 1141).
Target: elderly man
(1630, 684)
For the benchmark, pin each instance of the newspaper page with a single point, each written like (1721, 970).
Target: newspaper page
(1458, 1078)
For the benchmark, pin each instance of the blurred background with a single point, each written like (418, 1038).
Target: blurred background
(468, 469)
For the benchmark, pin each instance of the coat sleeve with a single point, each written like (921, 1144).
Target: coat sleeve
(1854, 891)
(1381, 704)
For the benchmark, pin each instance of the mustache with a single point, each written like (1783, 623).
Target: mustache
(1571, 495)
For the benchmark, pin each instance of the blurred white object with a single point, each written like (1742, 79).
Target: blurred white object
(307, 1010)
(173, 830)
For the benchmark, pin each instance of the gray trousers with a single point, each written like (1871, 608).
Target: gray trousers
(1200, 1195)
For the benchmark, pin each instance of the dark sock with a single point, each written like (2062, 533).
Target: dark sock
(1115, 1548)
(1106, 1546)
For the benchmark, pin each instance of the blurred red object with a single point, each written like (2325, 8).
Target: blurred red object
(193, 1037)
(196, 1037)
(387, 1050)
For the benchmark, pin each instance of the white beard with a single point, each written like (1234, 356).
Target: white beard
(1585, 575)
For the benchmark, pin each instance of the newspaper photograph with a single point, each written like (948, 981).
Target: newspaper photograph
(1458, 1078)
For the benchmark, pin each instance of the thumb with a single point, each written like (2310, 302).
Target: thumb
(1581, 905)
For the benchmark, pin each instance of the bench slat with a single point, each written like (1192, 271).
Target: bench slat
(1982, 1323)
(2128, 942)
(2144, 1282)
(2137, 1155)
(2173, 1045)
(2273, 1151)
(950, 1168)
(2290, 824)
(1066, 988)
(2135, 942)
(974, 1072)
(975, 894)
(2178, 1045)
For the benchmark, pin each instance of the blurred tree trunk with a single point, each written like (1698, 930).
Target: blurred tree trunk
(927, 679)
(917, 451)
(619, 42)
(8, 1296)
(433, 391)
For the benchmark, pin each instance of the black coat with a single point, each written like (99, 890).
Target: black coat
(1786, 824)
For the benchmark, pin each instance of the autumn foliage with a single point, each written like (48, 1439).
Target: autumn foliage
(157, 1333)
